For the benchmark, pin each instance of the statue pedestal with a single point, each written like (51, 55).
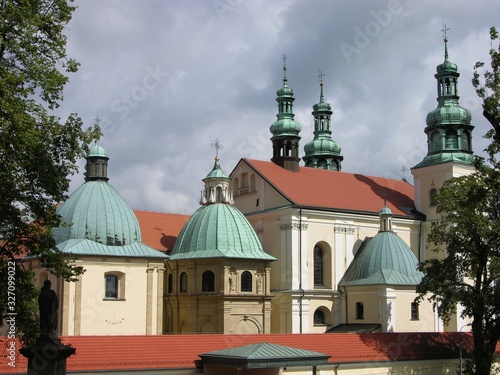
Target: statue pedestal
(47, 356)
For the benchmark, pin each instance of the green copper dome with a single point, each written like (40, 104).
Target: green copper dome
(319, 146)
(322, 152)
(285, 125)
(218, 230)
(97, 151)
(449, 129)
(216, 171)
(383, 260)
(95, 211)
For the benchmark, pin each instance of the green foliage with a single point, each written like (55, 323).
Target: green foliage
(38, 150)
(490, 90)
(468, 271)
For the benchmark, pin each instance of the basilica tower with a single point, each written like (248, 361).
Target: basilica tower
(449, 140)
(322, 152)
(285, 129)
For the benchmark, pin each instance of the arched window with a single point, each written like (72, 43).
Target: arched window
(218, 194)
(318, 266)
(170, 281)
(451, 139)
(360, 310)
(246, 281)
(465, 141)
(207, 281)
(319, 317)
(183, 284)
(114, 285)
(432, 197)
(435, 141)
(414, 311)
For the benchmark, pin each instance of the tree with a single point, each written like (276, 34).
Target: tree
(469, 271)
(490, 91)
(38, 151)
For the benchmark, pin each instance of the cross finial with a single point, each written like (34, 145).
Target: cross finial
(284, 61)
(217, 145)
(320, 76)
(444, 31)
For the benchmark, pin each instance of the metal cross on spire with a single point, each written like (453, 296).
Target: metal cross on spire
(320, 76)
(217, 145)
(284, 68)
(444, 31)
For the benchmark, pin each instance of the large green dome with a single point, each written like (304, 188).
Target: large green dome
(385, 260)
(215, 231)
(95, 211)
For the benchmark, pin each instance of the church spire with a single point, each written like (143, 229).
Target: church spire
(449, 129)
(322, 152)
(285, 129)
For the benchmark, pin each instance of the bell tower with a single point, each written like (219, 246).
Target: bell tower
(285, 129)
(449, 139)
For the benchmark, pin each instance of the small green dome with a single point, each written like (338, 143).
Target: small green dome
(385, 260)
(95, 211)
(285, 127)
(449, 113)
(97, 151)
(216, 171)
(218, 231)
(320, 146)
(322, 107)
(285, 91)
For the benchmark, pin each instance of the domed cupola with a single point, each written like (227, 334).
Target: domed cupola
(322, 152)
(383, 260)
(216, 186)
(218, 229)
(449, 129)
(285, 129)
(96, 211)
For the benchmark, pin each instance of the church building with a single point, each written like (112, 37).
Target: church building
(276, 246)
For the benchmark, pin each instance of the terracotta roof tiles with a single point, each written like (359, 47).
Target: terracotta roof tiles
(114, 353)
(337, 190)
(160, 230)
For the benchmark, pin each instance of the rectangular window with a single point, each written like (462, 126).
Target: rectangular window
(414, 311)
(111, 286)
(360, 310)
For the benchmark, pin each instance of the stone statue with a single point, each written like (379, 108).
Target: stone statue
(48, 305)
(259, 283)
(232, 279)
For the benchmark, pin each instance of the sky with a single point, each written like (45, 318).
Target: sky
(167, 78)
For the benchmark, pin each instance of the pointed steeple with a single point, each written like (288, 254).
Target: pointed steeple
(285, 129)
(96, 168)
(216, 183)
(322, 152)
(449, 129)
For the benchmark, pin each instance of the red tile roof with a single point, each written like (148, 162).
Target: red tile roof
(337, 190)
(160, 230)
(113, 353)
